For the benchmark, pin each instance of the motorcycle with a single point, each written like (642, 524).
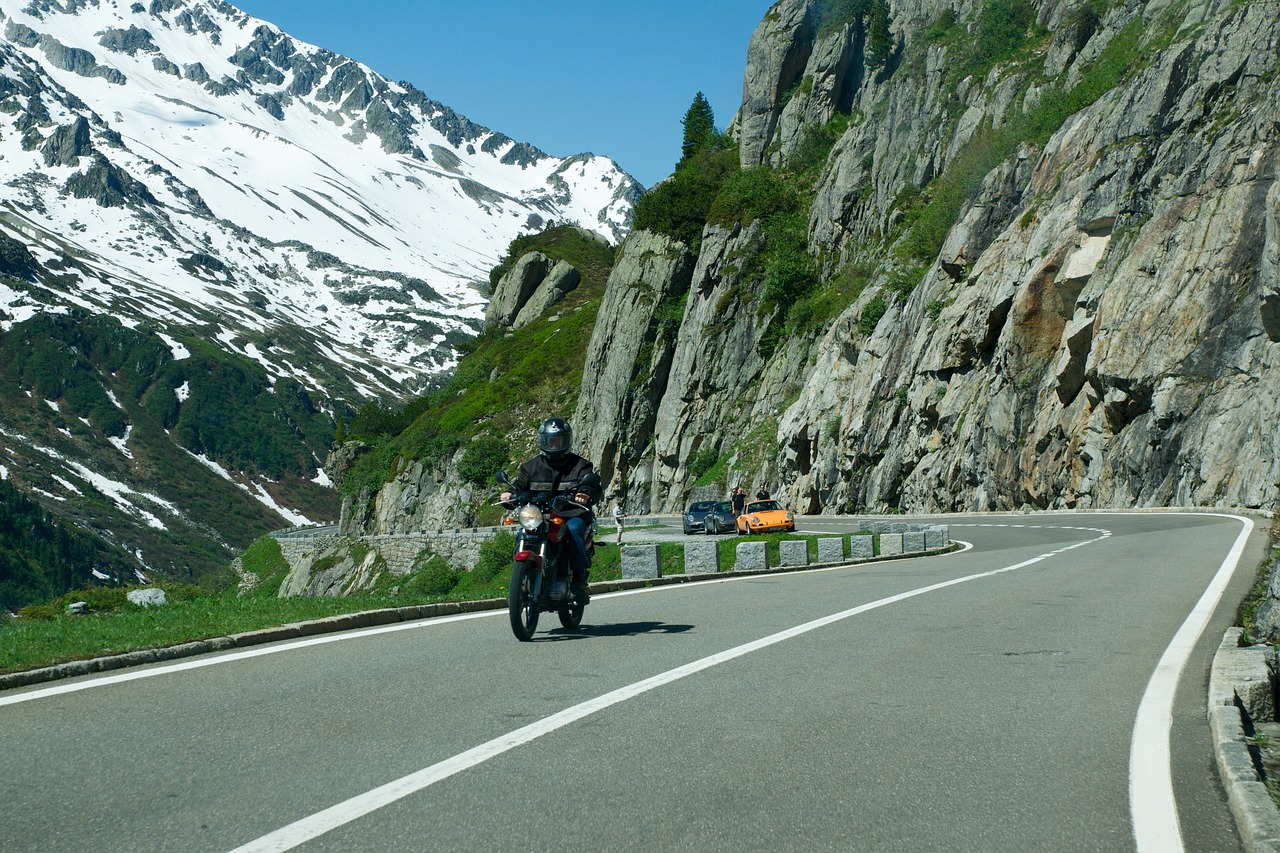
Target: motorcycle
(540, 571)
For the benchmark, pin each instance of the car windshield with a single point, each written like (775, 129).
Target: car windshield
(724, 506)
(763, 506)
(701, 506)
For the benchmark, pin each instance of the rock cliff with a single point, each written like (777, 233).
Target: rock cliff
(1054, 253)
(1098, 326)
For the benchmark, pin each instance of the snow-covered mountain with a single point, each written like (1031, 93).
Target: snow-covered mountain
(205, 169)
(215, 238)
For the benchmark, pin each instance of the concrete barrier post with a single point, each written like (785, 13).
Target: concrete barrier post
(913, 542)
(793, 553)
(862, 546)
(890, 544)
(639, 562)
(751, 557)
(830, 550)
(701, 558)
(937, 537)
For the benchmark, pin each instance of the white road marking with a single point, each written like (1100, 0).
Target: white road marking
(313, 826)
(1151, 801)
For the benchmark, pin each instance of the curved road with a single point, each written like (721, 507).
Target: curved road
(984, 700)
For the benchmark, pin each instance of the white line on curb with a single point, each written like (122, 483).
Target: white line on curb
(1151, 801)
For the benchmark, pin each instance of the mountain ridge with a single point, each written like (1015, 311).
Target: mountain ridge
(283, 232)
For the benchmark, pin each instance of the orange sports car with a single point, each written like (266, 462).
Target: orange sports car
(765, 517)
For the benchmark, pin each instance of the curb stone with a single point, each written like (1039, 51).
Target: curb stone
(365, 619)
(1234, 677)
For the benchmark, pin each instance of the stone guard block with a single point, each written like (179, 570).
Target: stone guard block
(639, 562)
(792, 553)
(862, 546)
(830, 550)
(701, 558)
(913, 543)
(751, 557)
(890, 544)
(937, 537)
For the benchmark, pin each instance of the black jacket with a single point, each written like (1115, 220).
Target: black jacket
(563, 477)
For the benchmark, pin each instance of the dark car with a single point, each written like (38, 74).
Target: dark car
(694, 515)
(721, 518)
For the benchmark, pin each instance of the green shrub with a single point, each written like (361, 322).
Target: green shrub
(678, 207)
(483, 457)
(703, 461)
(495, 559)
(1002, 28)
(434, 579)
(266, 561)
(751, 194)
(872, 313)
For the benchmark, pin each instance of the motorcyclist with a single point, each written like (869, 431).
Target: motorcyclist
(557, 469)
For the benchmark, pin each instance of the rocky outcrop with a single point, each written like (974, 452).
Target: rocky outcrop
(1099, 328)
(1109, 345)
(532, 285)
(776, 60)
(418, 497)
(629, 358)
(1096, 323)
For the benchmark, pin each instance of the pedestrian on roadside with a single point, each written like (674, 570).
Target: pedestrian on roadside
(763, 494)
(739, 500)
(618, 516)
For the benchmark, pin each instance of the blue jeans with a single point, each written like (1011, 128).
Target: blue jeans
(579, 562)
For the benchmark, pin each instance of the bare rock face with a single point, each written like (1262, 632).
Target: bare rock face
(530, 287)
(629, 357)
(516, 288)
(776, 61)
(561, 280)
(1112, 340)
(1099, 329)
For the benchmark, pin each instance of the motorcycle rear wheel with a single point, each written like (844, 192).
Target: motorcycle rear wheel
(571, 616)
(520, 603)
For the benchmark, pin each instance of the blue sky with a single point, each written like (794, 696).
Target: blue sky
(570, 76)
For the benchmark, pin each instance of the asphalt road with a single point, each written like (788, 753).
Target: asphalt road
(979, 701)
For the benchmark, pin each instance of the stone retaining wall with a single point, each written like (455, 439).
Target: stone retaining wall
(324, 563)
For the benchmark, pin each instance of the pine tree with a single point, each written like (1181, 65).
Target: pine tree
(699, 127)
(879, 38)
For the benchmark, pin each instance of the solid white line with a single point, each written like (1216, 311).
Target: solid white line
(301, 831)
(1151, 800)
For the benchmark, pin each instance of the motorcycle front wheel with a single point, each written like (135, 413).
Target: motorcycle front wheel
(521, 604)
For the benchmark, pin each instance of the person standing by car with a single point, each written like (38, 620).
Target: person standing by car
(739, 500)
(618, 516)
(556, 469)
(763, 494)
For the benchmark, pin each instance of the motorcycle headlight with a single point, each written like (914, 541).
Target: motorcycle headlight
(530, 517)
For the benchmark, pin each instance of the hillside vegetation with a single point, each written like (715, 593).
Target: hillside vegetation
(84, 387)
(505, 384)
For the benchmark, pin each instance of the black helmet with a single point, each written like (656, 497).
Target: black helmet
(555, 438)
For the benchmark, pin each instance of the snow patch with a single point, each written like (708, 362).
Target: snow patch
(183, 391)
(321, 478)
(176, 347)
(122, 444)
